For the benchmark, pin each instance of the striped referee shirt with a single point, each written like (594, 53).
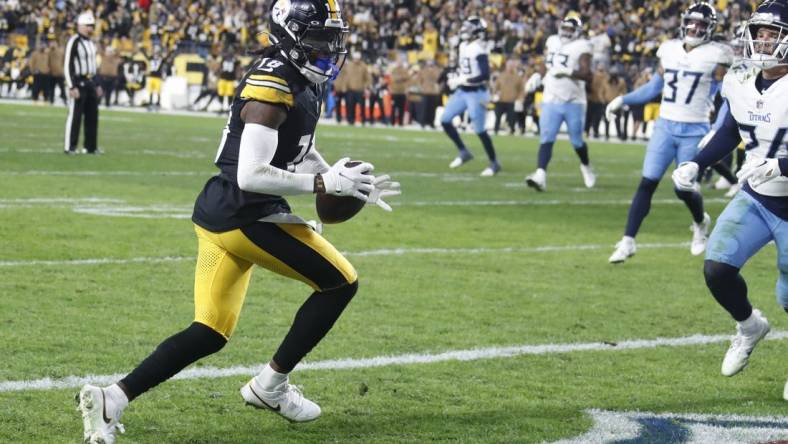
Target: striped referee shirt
(80, 60)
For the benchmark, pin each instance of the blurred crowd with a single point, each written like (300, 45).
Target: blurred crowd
(401, 49)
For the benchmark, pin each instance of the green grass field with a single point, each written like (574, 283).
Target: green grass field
(462, 263)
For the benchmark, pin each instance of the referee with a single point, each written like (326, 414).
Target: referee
(79, 70)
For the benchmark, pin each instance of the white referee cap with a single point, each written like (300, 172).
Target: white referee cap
(86, 19)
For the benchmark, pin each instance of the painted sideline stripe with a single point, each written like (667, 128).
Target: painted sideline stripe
(384, 361)
(378, 252)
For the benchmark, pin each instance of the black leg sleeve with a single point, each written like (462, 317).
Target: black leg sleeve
(312, 321)
(172, 356)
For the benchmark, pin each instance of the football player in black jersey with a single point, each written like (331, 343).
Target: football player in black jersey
(267, 151)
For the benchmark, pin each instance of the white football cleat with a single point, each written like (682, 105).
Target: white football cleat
(625, 248)
(785, 391)
(742, 345)
(589, 178)
(462, 158)
(722, 184)
(491, 170)
(537, 180)
(99, 416)
(700, 234)
(733, 190)
(285, 400)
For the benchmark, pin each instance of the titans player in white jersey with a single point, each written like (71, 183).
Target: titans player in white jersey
(758, 115)
(469, 84)
(568, 65)
(688, 78)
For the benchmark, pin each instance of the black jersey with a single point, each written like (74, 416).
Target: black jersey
(229, 68)
(156, 67)
(222, 205)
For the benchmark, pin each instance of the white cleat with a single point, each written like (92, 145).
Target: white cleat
(625, 249)
(589, 178)
(537, 180)
(742, 345)
(491, 170)
(285, 400)
(700, 234)
(99, 417)
(461, 159)
(721, 184)
(733, 190)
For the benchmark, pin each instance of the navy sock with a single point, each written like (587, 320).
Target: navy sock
(582, 153)
(545, 153)
(451, 131)
(728, 288)
(694, 202)
(641, 204)
(488, 146)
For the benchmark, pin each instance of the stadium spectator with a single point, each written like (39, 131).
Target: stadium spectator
(108, 73)
(596, 100)
(508, 87)
(429, 84)
(57, 79)
(39, 68)
(359, 80)
(398, 87)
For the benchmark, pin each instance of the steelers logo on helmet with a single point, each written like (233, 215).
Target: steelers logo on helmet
(311, 34)
(698, 23)
(571, 28)
(765, 38)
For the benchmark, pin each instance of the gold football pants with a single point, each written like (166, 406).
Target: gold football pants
(225, 260)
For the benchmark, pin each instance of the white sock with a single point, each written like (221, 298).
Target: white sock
(750, 324)
(118, 397)
(628, 239)
(270, 378)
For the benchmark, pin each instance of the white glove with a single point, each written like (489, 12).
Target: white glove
(614, 107)
(561, 71)
(759, 170)
(684, 176)
(384, 187)
(705, 140)
(533, 83)
(455, 81)
(341, 180)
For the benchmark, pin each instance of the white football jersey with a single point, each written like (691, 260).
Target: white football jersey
(560, 55)
(468, 66)
(689, 76)
(762, 119)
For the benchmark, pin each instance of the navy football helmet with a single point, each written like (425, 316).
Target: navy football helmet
(473, 28)
(761, 49)
(698, 24)
(571, 28)
(311, 34)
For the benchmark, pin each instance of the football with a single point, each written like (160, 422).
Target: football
(336, 209)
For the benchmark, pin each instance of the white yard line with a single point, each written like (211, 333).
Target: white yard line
(383, 361)
(363, 253)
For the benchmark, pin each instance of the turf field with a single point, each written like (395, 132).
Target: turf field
(96, 268)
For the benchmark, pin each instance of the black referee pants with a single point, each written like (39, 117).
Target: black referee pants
(85, 106)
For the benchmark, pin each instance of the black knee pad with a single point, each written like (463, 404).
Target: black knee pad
(648, 185)
(345, 293)
(718, 273)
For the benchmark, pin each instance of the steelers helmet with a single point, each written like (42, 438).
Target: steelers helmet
(311, 34)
